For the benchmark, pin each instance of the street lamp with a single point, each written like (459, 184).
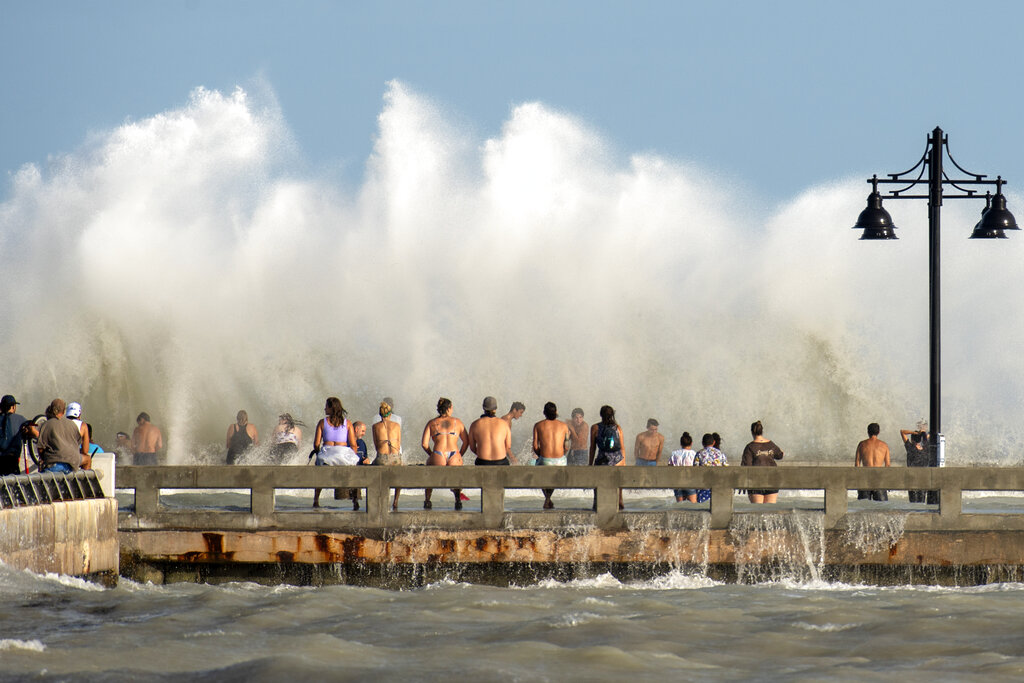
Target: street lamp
(877, 225)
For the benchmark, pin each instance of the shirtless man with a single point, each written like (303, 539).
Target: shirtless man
(514, 413)
(872, 452)
(648, 445)
(446, 433)
(549, 438)
(579, 430)
(146, 441)
(490, 437)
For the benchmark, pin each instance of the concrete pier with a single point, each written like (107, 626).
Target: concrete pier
(930, 544)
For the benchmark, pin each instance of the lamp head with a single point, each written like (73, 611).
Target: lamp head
(875, 221)
(994, 219)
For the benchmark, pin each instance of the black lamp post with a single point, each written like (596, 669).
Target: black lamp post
(877, 225)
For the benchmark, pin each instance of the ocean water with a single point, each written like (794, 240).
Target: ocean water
(676, 627)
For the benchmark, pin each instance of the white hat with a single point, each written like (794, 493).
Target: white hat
(74, 411)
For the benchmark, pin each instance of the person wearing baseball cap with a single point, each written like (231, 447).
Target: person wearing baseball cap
(74, 413)
(10, 436)
(490, 437)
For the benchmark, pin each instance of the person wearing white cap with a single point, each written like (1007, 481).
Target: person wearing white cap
(74, 413)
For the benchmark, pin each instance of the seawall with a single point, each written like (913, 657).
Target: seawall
(63, 525)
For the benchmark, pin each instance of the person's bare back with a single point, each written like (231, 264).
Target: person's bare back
(445, 432)
(490, 438)
(147, 437)
(387, 437)
(872, 452)
(549, 438)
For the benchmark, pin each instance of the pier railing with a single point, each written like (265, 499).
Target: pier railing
(263, 483)
(40, 488)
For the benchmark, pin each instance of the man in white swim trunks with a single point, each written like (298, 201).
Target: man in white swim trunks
(550, 436)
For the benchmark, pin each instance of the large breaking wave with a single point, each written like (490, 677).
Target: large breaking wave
(183, 266)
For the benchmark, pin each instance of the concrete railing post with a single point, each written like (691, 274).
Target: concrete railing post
(378, 498)
(147, 497)
(607, 500)
(836, 504)
(950, 503)
(492, 493)
(261, 500)
(721, 506)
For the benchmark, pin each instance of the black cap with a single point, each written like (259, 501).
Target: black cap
(7, 401)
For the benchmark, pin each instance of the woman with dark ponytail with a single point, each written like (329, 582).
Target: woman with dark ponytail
(761, 452)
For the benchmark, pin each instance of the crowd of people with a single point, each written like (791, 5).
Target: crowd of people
(62, 443)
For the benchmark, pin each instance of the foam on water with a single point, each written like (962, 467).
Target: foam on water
(187, 265)
(15, 644)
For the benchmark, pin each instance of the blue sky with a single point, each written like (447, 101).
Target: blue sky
(778, 96)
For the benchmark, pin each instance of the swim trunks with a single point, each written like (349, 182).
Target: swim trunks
(144, 459)
(552, 462)
(762, 492)
(641, 462)
(873, 494)
(579, 457)
(503, 461)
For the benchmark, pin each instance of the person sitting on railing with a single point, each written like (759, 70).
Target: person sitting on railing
(387, 441)
(335, 443)
(708, 456)
(361, 451)
(550, 437)
(606, 447)
(74, 413)
(761, 452)
(490, 437)
(62, 447)
(684, 458)
(446, 432)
